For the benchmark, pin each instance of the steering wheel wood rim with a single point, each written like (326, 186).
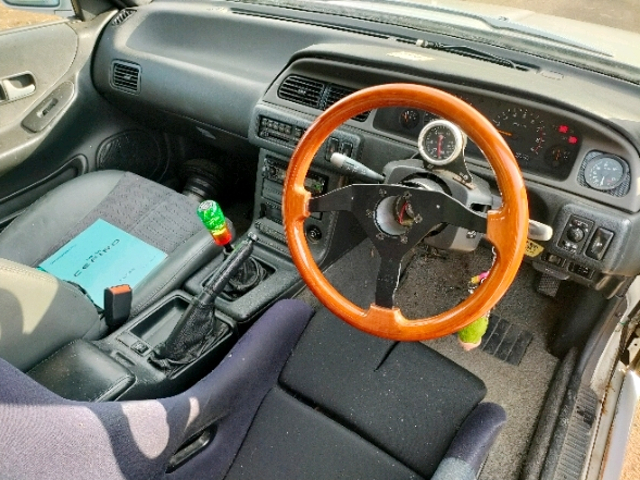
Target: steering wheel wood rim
(506, 226)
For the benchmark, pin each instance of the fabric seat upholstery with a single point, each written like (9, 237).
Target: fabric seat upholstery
(157, 215)
(262, 430)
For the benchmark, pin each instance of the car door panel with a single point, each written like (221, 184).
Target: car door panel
(44, 52)
(54, 133)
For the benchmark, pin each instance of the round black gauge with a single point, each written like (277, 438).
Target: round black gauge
(440, 142)
(523, 130)
(409, 118)
(558, 155)
(605, 172)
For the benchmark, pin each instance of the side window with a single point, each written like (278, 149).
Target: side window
(11, 18)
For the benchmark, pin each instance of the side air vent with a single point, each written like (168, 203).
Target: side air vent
(122, 16)
(125, 77)
(314, 93)
(303, 90)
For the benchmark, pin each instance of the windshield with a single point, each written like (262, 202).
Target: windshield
(593, 34)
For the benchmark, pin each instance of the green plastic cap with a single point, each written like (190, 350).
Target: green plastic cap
(212, 217)
(473, 333)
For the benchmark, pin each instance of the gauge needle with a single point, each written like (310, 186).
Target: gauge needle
(440, 137)
(506, 134)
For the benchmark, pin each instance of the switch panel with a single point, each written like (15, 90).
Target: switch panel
(575, 234)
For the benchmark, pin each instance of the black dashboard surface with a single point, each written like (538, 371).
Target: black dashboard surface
(208, 67)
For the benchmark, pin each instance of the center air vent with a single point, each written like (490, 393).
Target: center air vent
(122, 16)
(314, 93)
(335, 93)
(303, 90)
(125, 77)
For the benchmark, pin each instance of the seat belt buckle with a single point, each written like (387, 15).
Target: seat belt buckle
(117, 305)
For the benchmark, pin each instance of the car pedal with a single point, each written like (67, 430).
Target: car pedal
(548, 285)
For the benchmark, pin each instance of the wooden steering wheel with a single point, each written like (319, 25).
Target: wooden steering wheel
(505, 228)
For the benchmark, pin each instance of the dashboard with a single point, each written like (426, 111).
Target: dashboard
(575, 134)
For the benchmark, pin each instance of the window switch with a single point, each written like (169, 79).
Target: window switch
(599, 243)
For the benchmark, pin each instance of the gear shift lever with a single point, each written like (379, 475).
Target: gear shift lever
(198, 328)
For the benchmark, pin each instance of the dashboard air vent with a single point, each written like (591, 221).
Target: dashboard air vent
(335, 93)
(303, 90)
(125, 77)
(122, 16)
(314, 93)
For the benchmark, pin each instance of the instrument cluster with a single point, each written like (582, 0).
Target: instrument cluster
(542, 142)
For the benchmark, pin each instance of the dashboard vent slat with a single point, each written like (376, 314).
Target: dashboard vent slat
(122, 16)
(302, 90)
(336, 93)
(315, 93)
(125, 77)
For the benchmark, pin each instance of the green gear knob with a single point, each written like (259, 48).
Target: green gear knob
(214, 220)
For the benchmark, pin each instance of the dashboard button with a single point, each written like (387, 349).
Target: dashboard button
(554, 260)
(575, 234)
(581, 270)
(333, 144)
(346, 148)
(599, 243)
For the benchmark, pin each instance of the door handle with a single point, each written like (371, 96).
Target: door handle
(17, 86)
(52, 105)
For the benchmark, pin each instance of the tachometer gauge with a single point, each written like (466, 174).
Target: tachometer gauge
(523, 130)
(605, 172)
(440, 142)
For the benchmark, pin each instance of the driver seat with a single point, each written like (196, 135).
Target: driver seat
(342, 405)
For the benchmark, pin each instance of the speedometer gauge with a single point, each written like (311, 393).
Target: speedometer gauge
(605, 172)
(440, 142)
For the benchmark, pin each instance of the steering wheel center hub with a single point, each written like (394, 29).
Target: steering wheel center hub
(394, 215)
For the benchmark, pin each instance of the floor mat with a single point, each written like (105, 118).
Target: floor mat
(505, 341)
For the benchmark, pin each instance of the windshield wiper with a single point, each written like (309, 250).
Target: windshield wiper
(467, 51)
(501, 23)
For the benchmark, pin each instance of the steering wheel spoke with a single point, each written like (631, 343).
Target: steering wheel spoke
(387, 281)
(438, 207)
(347, 199)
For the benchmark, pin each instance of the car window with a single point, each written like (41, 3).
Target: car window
(11, 18)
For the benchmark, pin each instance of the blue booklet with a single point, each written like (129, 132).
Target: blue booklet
(103, 256)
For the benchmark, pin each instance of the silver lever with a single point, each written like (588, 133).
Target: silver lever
(539, 231)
